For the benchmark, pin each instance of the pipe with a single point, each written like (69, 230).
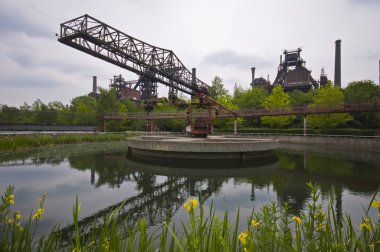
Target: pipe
(337, 76)
(94, 85)
(253, 75)
(194, 76)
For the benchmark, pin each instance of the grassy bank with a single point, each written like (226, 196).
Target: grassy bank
(22, 142)
(270, 228)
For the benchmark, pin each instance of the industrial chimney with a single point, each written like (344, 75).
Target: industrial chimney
(379, 72)
(94, 85)
(253, 75)
(194, 76)
(337, 76)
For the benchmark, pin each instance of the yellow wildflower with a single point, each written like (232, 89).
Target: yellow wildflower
(105, 245)
(297, 219)
(371, 246)
(321, 227)
(91, 243)
(243, 236)
(245, 250)
(10, 221)
(10, 199)
(376, 204)
(18, 215)
(190, 204)
(255, 223)
(39, 213)
(365, 226)
(19, 227)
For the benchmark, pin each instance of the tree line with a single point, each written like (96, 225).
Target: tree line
(85, 110)
(364, 91)
(82, 110)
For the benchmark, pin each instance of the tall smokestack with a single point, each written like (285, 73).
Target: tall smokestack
(194, 77)
(253, 75)
(379, 72)
(94, 85)
(337, 77)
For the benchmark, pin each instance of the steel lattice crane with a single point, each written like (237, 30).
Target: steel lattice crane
(153, 64)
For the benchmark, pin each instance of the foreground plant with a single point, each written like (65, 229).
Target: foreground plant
(270, 228)
(14, 235)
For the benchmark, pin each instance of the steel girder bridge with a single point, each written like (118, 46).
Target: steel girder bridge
(304, 110)
(153, 64)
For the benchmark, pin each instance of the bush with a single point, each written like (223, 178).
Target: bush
(271, 228)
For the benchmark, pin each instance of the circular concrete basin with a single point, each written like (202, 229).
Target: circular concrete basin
(212, 147)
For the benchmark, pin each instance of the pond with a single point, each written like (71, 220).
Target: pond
(103, 178)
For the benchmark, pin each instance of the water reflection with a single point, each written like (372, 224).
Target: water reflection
(287, 174)
(161, 187)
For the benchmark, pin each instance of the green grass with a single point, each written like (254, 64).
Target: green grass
(22, 142)
(270, 228)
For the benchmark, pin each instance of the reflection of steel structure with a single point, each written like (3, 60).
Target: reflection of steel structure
(153, 64)
(155, 203)
(292, 73)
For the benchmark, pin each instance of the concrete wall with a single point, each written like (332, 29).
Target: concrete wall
(370, 143)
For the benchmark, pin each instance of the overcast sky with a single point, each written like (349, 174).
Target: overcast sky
(218, 37)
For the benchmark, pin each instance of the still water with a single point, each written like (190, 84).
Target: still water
(103, 177)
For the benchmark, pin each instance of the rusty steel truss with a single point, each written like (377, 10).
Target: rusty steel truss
(100, 40)
(303, 110)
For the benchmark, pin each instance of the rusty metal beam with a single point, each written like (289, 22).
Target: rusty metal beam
(347, 108)
(100, 40)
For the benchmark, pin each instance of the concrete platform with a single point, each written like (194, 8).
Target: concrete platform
(212, 147)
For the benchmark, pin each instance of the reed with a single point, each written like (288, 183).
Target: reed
(22, 142)
(270, 228)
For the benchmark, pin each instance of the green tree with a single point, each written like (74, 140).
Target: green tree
(278, 99)
(43, 113)
(364, 91)
(107, 104)
(217, 88)
(168, 124)
(250, 98)
(84, 109)
(9, 114)
(299, 98)
(226, 123)
(133, 107)
(328, 96)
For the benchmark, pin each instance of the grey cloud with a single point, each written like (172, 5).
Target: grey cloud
(29, 60)
(375, 56)
(233, 59)
(365, 2)
(13, 20)
(28, 81)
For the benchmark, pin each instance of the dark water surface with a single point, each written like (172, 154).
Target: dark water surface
(102, 177)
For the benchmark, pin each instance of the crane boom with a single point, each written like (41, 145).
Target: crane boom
(100, 40)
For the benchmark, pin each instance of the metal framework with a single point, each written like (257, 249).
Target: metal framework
(346, 108)
(292, 73)
(100, 40)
